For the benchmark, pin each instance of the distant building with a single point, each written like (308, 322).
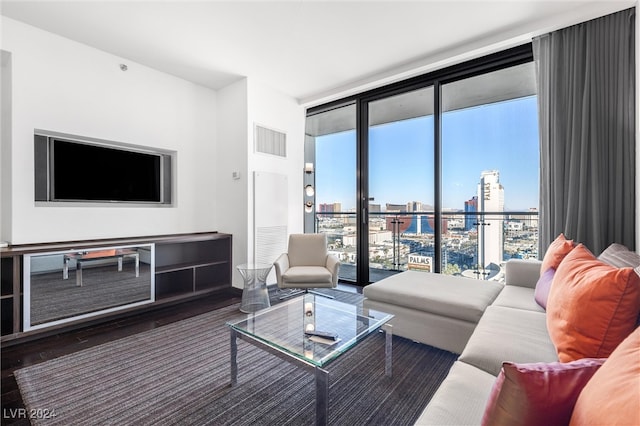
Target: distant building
(329, 208)
(530, 220)
(414, 206)
(456, 222)
(415, 224)
(490, 228)
(325, 208)
(377, 237)
(514, 226)
(396, 208)
(471, 206)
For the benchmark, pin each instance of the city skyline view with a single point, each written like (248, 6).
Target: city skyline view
(501, 136)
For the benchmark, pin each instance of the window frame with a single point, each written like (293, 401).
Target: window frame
(482, 65)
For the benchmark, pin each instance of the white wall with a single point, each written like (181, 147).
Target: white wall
(5, 145)
(64, 86)
(240, 106)
(232, 201)
(272, 109)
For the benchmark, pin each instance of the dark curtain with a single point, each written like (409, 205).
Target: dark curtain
(586, 97)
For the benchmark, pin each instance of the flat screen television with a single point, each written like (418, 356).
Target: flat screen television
(78, 171)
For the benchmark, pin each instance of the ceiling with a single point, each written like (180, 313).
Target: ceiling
(310, 50)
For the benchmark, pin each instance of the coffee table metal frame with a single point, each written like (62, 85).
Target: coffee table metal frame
(377, 320)
(90, 256)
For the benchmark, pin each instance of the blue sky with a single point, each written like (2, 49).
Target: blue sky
(501, 136)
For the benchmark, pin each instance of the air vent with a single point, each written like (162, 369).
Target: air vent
(269, 141)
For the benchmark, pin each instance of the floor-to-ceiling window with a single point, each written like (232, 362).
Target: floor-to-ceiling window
(437, 174)
(490, 171)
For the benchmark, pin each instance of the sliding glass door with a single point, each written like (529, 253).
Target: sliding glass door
(400, 185)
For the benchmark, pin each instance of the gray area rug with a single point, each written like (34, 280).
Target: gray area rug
(179, 374)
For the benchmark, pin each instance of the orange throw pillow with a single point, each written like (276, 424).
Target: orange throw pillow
(556, 251)
(592, 306)
(612, 395)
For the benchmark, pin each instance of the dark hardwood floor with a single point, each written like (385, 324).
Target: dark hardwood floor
(22, 354)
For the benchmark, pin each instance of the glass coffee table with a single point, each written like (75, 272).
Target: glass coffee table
(280, 330)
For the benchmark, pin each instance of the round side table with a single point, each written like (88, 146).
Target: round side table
(255, 295)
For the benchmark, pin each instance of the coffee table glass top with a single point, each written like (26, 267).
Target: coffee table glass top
(283, 327)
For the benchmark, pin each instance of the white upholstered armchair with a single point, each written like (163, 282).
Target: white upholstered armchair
(307, 264)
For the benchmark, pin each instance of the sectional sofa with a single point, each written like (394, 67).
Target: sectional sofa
(499, 327)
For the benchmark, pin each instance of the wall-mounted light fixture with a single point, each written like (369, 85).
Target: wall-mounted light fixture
(309, 190)
(308, 167)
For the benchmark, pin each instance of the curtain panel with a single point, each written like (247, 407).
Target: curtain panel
(586, 106)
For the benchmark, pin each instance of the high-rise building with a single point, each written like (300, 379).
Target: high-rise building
(470, 220)
(325, 208)
(490, 233)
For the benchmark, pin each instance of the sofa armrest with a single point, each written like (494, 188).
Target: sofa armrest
(281, 265)
(522, 272)
(333, 265)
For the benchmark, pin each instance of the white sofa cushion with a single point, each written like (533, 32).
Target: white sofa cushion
(513, 296)
(461, 399)
(508, 334)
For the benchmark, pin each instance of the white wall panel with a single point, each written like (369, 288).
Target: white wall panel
(271, 216)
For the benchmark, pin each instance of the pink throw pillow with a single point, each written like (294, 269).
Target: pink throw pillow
(543, 287)
(538, 393)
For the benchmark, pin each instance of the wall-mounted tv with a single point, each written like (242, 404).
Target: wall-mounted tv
(87, 170)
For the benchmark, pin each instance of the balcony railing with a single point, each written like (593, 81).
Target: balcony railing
(472, 244)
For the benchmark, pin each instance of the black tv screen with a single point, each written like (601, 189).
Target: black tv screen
(85, 172)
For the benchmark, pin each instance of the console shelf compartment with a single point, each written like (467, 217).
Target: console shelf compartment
(184, 267)
(11, 294)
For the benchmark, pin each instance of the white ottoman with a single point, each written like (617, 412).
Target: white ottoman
(435, 309)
